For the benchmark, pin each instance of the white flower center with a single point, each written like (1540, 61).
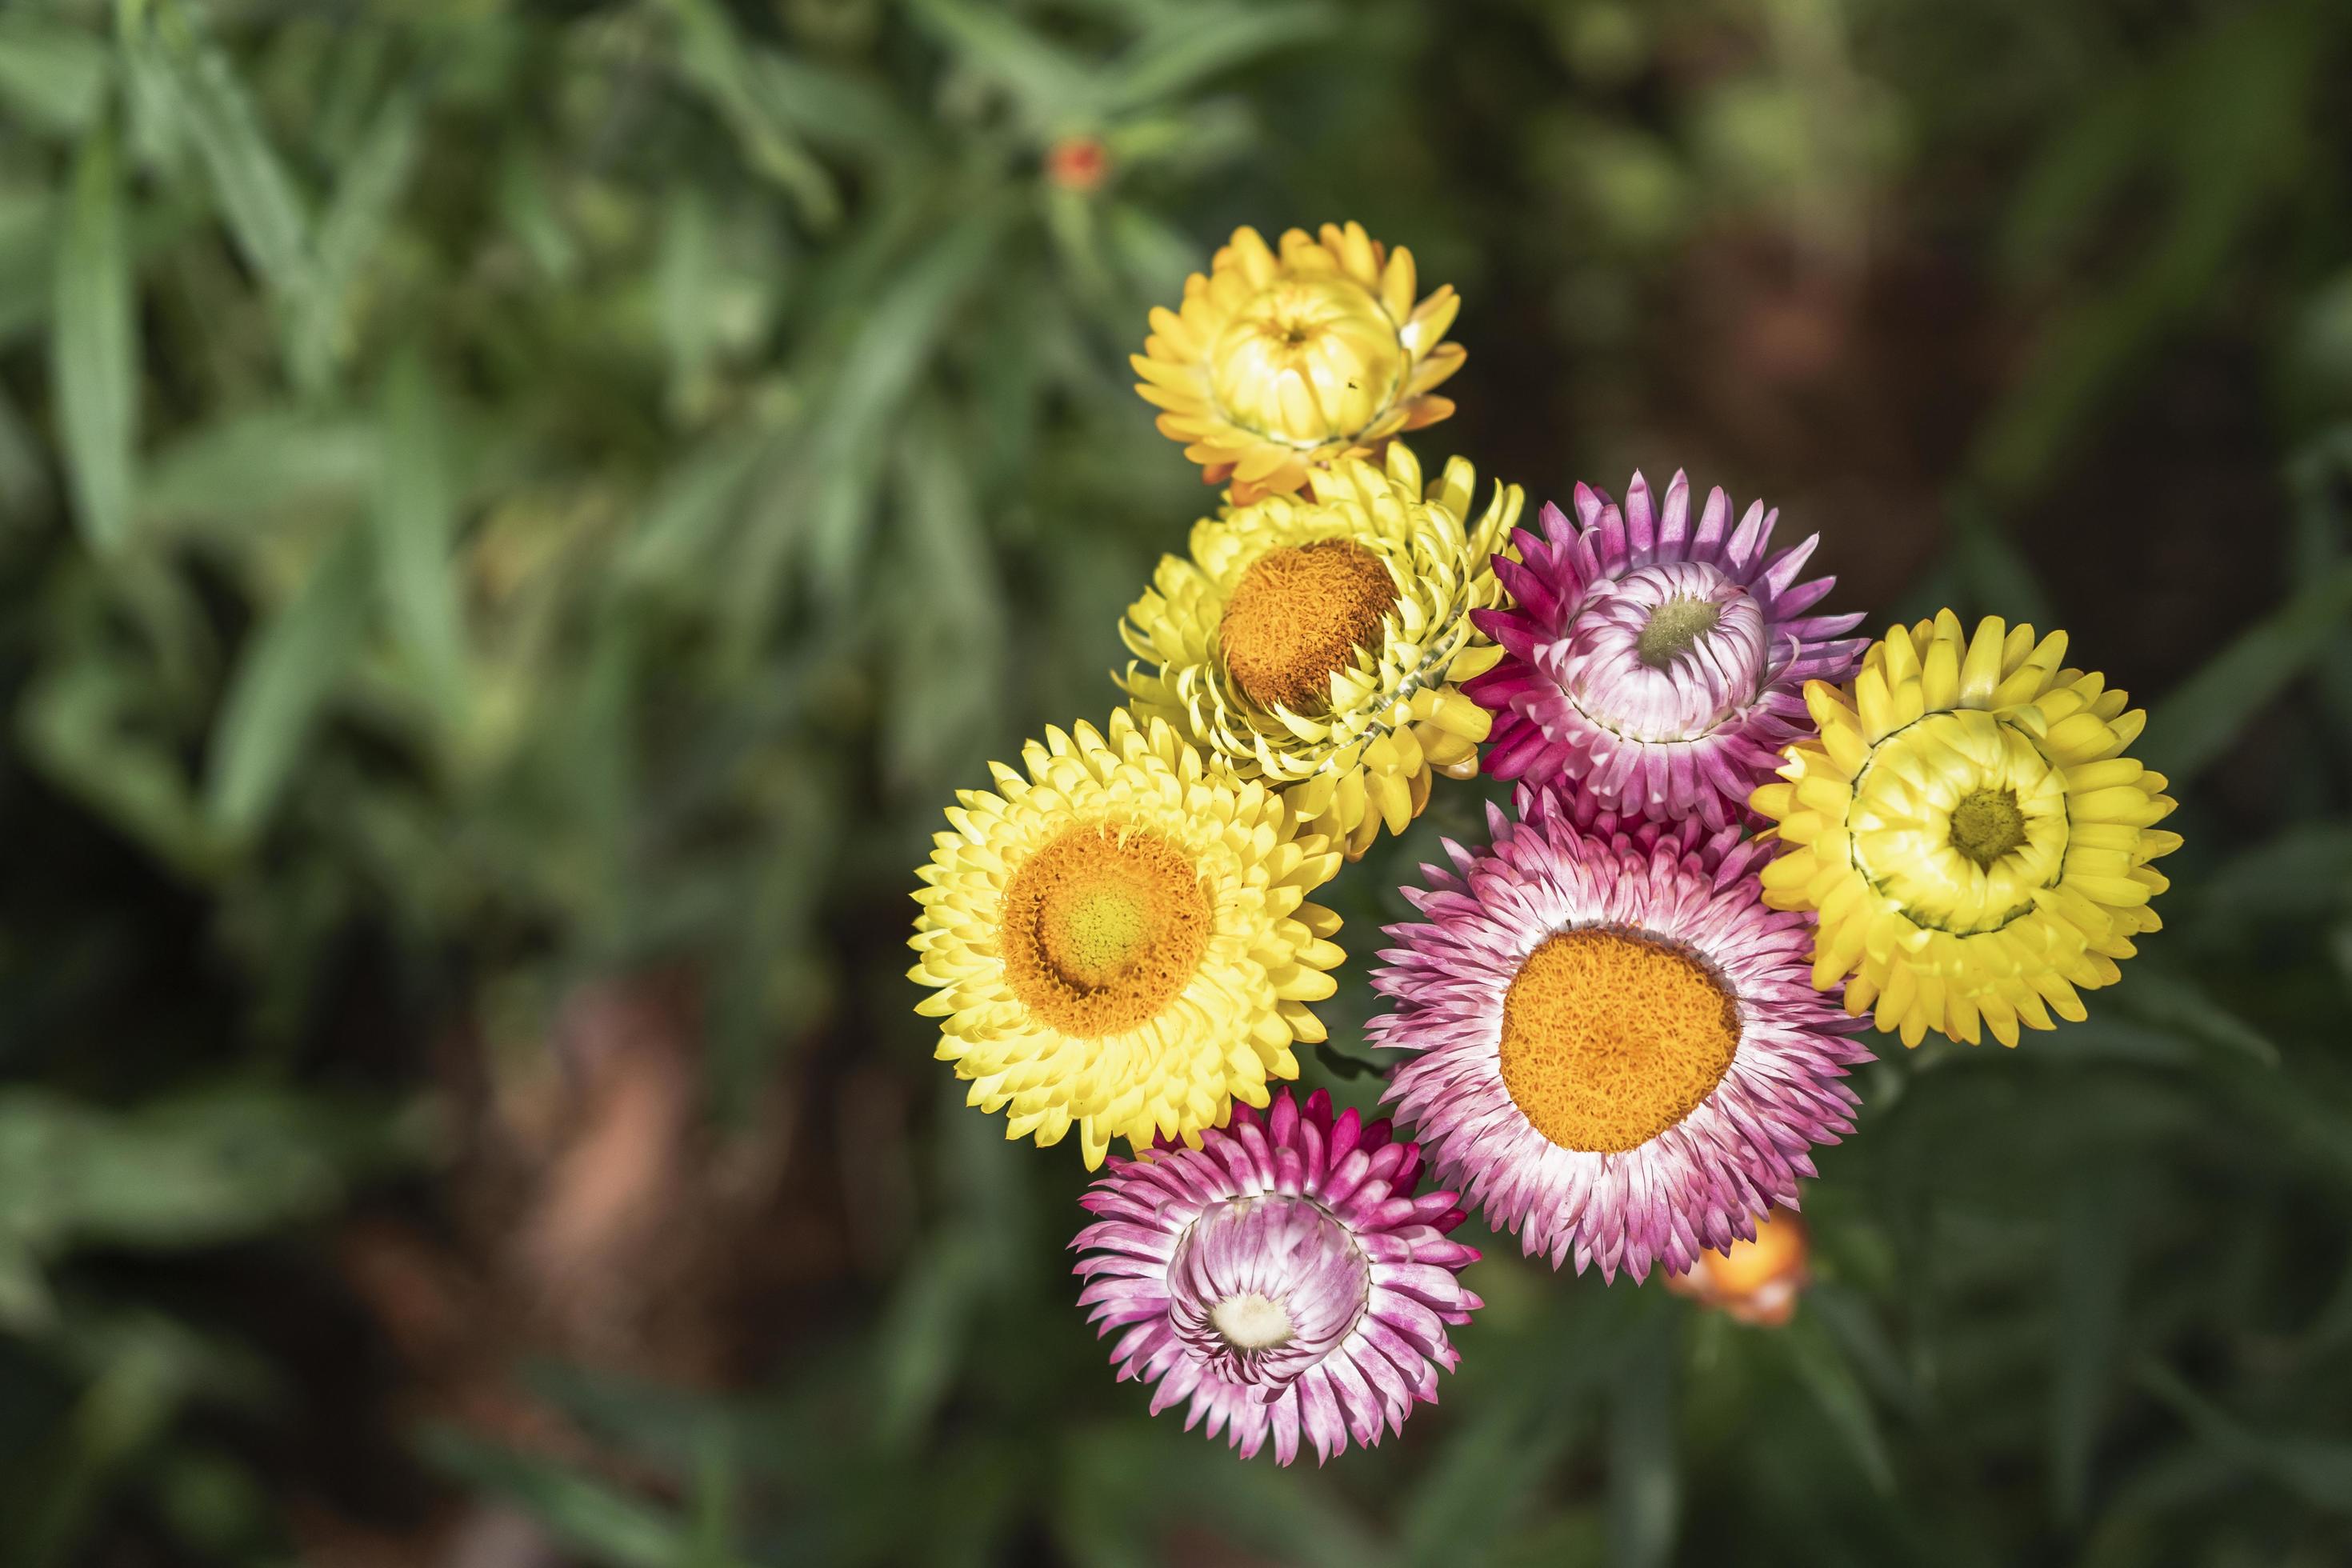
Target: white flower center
(1666, 652)
(1252, 1322)
(1263, 1287)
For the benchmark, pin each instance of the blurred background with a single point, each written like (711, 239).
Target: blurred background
(514, 517)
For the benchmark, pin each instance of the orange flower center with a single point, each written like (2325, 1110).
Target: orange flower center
(1102, 928)
(1610, 1038)
(1297, 616)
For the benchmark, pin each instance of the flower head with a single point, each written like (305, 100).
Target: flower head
(1755, 1282)
(1315, 641)
(1615, 1052)
(1279, 363)
(1655, 665)
(1968, 827)
(1284, 1277)
(1120, 939)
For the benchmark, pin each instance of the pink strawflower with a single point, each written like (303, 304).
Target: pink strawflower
(1659, 669)
(1617, 1051)
(1283, 1276)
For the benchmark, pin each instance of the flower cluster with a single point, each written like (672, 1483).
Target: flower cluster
(1740, 837)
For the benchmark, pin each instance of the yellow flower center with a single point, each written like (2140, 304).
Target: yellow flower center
(1960, 820)
(1610, 1038)
(1307, 360)
(1297, 616)
(1672, 628)
(1102, 928)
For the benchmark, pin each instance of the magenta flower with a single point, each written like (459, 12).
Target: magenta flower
(1283, 1276)
(1661, 670)
(1617, 1052)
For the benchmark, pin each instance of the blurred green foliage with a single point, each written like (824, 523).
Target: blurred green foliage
(496, 495)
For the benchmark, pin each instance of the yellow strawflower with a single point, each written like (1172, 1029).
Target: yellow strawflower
(1120, 939)
(1968, 827)
(1318, 642)
(1280, 363)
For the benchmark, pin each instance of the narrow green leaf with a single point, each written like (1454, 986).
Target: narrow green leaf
(28, 221)
(351, 233)
(415, 513)
(1188, 47)
(1999, 579)
(1481, 1479)
(2164, 999)
(688, 513)
(52, 76)
(2316, 1470)
(2092, 1255)
(227, 475)
(715, 58)
(879, 372)
(1644, 1484)
(265, 212)
(583, 1513)
(289, 670)
(94, 348)
(528, 210)
(1821, 1368)
(686, 280)
(922, 1331)
(1055, 88)
(77, 719)
(2194, 726)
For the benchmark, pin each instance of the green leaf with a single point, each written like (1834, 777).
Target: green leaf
(78, 721)
(193, 1170)
(28, 221)
(689, 511)
(1190, 46)
(2193, 727)
(582, 1513)
(1998, 578)
(921, 1332)
(416, 515)
(1054, 87)
(2166, 1000)
(686, 278)
(1482, 1479)
(528, 210)
(229, 476)
(352, 232)
(1644, 1482)
(2316, 1470)
(2094, 1256)
(53, 76)
(289, 670)
(715, 58)
(94, 349)
(210, 107)
(879, 373)
(1823, 1370)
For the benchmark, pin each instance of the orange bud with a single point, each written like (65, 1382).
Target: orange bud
(1756, 1281)
(1077, 164)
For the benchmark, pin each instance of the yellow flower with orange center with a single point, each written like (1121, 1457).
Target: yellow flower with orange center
(1279, 363)
(1318, 641)
(1976, 841)
(1118, 939)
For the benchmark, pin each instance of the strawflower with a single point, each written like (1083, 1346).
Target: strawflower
(1968, 827)
(1118, 939)
(1282, 1282)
